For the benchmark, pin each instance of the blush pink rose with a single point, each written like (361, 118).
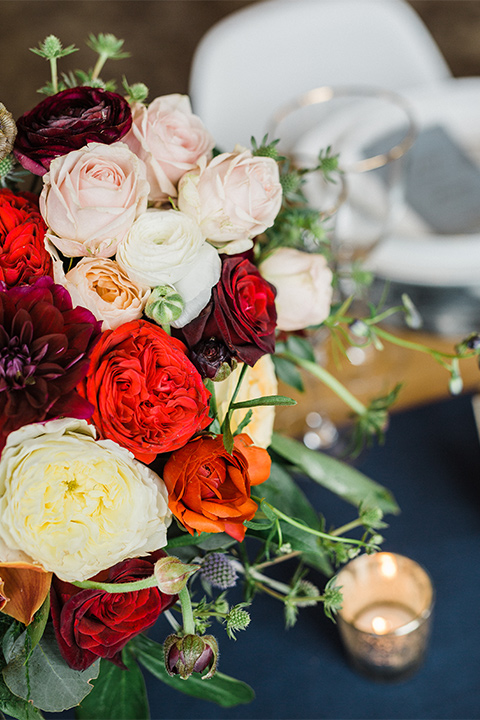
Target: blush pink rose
(170, 139)
(100, 285)
(91, 198)
(304, 287)
(234, 198)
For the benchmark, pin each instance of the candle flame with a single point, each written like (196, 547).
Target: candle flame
(380, 625)
(388, 565)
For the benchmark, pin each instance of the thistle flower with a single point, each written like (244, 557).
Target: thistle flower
(219, 571)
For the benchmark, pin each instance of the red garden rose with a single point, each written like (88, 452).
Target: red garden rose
(68, 121)
(147, 395)
(209, 489)
(23, 256)
(241, 313)
(92, 623)
(44, 349)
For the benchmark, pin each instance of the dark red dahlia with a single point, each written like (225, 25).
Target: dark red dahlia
(68, 121)
(44, 353)
(92, 623)
(23, 256)
(241, 313)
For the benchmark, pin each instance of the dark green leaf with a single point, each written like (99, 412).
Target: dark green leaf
(37, 627)
(46, 680)
(215, 541)
(117, 693)
(267, 400)
(288, 373)
(16, 707)
(227, 435)
(221, 689)
(301, 347)
(338, 477)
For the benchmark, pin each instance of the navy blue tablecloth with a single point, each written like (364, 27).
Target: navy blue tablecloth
(431, 462)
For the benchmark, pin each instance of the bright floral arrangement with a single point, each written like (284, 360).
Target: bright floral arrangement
(153, 289)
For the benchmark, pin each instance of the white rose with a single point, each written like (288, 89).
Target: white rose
(234, 198)
(76, 505)
(166, 247)
(304, 287)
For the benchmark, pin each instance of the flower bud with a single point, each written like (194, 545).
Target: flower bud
(213, 359)
(164, 305)
(172, 575)
(189, 654)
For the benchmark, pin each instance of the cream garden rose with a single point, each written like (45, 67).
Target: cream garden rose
(75, 505)
(304, 287)
(167, 247)
(234, 198)
(259, 381)
(170, 139)
(100, 285)
(91, 198)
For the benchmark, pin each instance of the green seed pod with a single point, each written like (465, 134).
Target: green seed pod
(164, 305)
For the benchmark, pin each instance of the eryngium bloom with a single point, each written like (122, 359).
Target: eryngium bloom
(67, 121)
(44, 353)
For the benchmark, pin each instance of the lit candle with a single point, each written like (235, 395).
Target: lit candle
(385, 617)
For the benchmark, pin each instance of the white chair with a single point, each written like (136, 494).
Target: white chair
(262, 56)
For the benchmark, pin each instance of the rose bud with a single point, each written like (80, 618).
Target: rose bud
(189, 654)
(172, 575)
(213, 359)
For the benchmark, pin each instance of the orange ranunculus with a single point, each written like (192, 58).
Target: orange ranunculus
(147, 395)
(209, 490)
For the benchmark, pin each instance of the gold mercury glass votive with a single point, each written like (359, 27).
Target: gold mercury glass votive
(386, 614)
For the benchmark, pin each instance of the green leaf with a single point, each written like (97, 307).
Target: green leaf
(338, 477)
(46, 680)
(267, 400)
(117, 693)
(221, 689)
(37, 627)
(288, 373)
(301, 347)
(15, 706)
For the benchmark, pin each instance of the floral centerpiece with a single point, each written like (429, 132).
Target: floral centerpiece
(152, 291)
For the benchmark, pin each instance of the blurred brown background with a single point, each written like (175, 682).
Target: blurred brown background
(162, 35)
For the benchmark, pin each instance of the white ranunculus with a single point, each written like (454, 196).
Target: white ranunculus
(304, 287)
(195, 287)
(76, 505)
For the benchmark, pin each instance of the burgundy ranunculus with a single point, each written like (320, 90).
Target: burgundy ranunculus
(23, 256)
(241, 312)
(44, 353)
(68, 121)
(92, 623)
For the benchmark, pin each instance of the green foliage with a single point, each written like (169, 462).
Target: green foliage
(51, 49)
(341, 479)
(220, 689)
(16, 707)
(107, 45)
(117, 693)
(136, 93)
(45, 679)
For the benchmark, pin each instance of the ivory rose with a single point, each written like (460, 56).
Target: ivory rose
(304, 287)
(170, 139)
(259, 381)
(234, 198)
(100, 285)
(167, 247)
(76, 505)
(91, 198)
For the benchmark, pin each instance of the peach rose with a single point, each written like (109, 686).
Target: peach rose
(304, 287)
(100, 285)
(259, 381)
(170, 139)
(234, 198)
(91, 198)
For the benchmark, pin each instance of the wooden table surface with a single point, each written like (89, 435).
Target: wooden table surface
(423, 379)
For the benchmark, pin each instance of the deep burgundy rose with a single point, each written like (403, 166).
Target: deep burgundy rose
(23, 256)
(68, 121)
(241, 312)
(92, 623)
(44, 353)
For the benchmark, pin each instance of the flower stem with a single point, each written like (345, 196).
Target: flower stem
(53, 70)
(347, 527)
(329, 380)
(187, 612)
(118, 587)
